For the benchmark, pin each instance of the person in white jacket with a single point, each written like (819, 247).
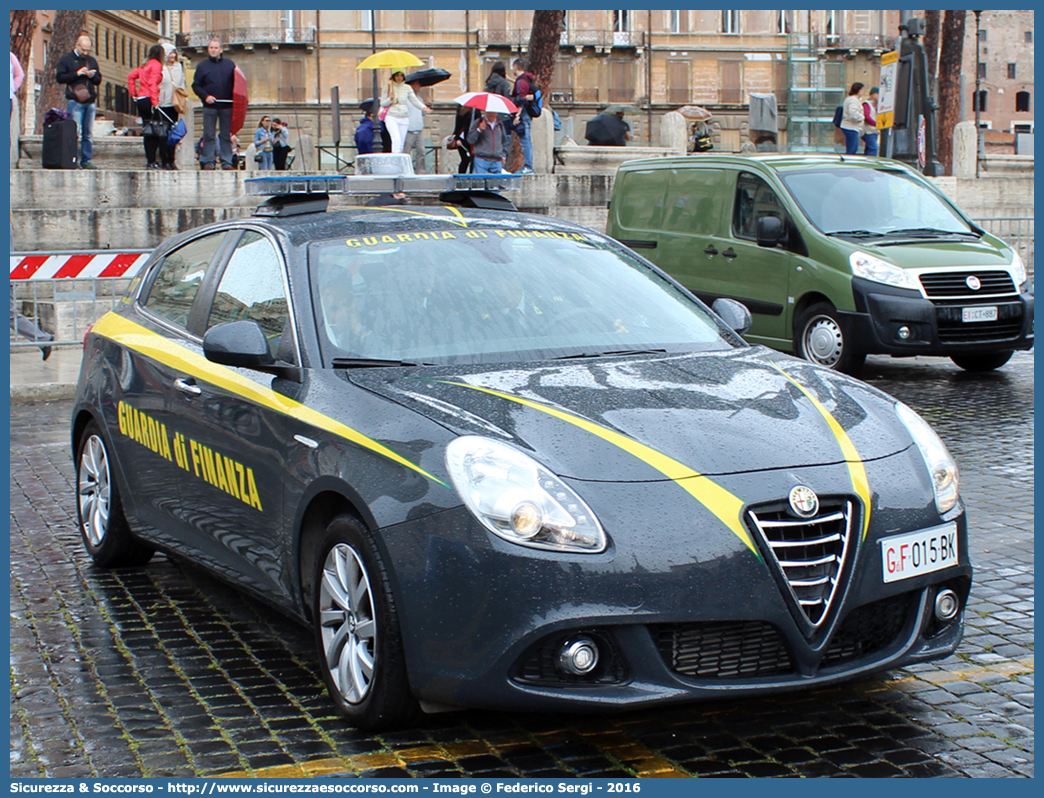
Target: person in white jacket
(852, 118)
(397, 120)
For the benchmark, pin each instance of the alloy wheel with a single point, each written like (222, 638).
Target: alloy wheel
(348, 628)
(94, 490)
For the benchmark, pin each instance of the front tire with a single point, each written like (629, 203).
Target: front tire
(820, 338)
(357, 630)
(99, 512)
(988, 362)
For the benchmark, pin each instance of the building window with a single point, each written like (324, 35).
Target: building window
(1022, 101)
(291, 83)
(731, 82)
(418, 19)
(730, 21)
(832, 28)
(680, 21)
(982, 34)
(1011, 71)
(621, 81)
(1029, 37)
(678, 81)
(979, 101)
(982, 70)
(621, 21)
(366, 20)
(1022, 127)
(783, 22)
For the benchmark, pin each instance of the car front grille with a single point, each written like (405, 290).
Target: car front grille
(868, 629)
(811, 552)
(953, 285)
(723, 650)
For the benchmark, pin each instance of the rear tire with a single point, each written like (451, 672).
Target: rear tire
(357, 630)
(819, 337)
(989, 362)
(99, 512)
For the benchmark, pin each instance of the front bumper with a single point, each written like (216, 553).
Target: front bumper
(482, 618)
(935, 327)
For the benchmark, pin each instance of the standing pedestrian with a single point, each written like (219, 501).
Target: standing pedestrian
(17, 76)
(414, 144)
(870, 123)
(852, 118)
(213, 84)
(146, 98)
(488, 138)
(497, 82)
(173, 81)
(364, 134)
(525, 88)
(397, 99)
(263, 142)
(79, 72)
(459, 140)
(280, 143)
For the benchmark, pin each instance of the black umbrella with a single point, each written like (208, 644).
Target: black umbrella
(366, 106)
(428, 77)
(606, 130)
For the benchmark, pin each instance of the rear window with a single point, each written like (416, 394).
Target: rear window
(638, 202)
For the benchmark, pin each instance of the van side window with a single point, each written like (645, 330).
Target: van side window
(640, 205)
(754, 199)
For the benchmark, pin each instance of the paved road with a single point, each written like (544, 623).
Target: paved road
(164, 671)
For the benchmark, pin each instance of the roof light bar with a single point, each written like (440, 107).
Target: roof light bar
(377, 184)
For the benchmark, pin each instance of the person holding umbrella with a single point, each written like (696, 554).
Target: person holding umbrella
(213, 84)
(608, 129)
(488, 138)
(398, 96)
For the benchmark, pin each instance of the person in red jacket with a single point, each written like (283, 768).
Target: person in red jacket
(146, 97)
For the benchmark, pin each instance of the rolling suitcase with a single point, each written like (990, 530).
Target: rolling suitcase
(60, 145)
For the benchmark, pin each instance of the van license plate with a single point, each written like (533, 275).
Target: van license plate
(979, 314)
(920, 552)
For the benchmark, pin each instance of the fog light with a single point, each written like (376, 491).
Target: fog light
(578, 656)
(946, 605)
(904, 332)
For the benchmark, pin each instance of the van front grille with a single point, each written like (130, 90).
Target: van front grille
(951, 285)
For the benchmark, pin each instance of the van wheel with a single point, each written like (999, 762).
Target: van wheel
(99, 512)
(994, 360)
(819, 337)
(357, 630)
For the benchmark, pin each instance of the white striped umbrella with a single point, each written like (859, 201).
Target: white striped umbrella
(487, 101)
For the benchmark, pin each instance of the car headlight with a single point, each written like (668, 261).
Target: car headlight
(870, 267)
(946, 479)
(515, 497)
(1018, 268)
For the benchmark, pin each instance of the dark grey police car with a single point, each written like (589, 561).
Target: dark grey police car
(499, 460)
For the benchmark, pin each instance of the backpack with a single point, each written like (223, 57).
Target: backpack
(838, 115)
(535, 107)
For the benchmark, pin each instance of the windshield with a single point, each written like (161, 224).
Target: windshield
(484, 295)
(842, 199)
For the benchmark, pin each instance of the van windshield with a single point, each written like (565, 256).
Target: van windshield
(851, 200)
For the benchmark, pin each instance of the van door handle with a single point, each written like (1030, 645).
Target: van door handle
(188, 386)
(710, 250)
(729, 254)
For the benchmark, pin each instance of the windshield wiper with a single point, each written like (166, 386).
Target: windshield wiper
(930, 231)
(619, 352)
(371, 363)
(856, 233)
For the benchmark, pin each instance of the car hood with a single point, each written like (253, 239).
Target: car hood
(641, 417)
(953, 252)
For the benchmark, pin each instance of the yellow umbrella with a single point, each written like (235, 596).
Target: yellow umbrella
(390, 59)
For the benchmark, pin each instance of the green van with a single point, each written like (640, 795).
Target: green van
(836, 257)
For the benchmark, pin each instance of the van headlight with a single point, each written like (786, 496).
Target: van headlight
(870, 267)
(518, 499)
(946, 479)
(1018, 269)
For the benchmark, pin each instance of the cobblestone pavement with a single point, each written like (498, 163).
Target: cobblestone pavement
(163, 671)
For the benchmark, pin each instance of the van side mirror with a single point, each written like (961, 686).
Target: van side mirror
(238, 343)
(733, 313)
(770, 231)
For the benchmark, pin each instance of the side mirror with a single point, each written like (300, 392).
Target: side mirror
(770, 231)
(734, 314)
(238, 343)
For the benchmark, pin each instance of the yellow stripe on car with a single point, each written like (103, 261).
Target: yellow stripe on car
(159, 348)
(860, 484)
(726, 508)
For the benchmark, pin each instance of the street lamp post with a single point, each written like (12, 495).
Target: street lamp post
(978, 93)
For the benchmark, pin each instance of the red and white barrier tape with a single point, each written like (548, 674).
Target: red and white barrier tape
(82, 266)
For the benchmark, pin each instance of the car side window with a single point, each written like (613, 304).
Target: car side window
(251, 288)
(179, 277)
(754, 199)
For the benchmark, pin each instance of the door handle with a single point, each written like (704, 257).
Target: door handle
(710, 250)
(729, 254)
(188, 386)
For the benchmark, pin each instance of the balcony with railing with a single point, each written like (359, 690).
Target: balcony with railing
(855, 41)
(569, 38)
(266, 35)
